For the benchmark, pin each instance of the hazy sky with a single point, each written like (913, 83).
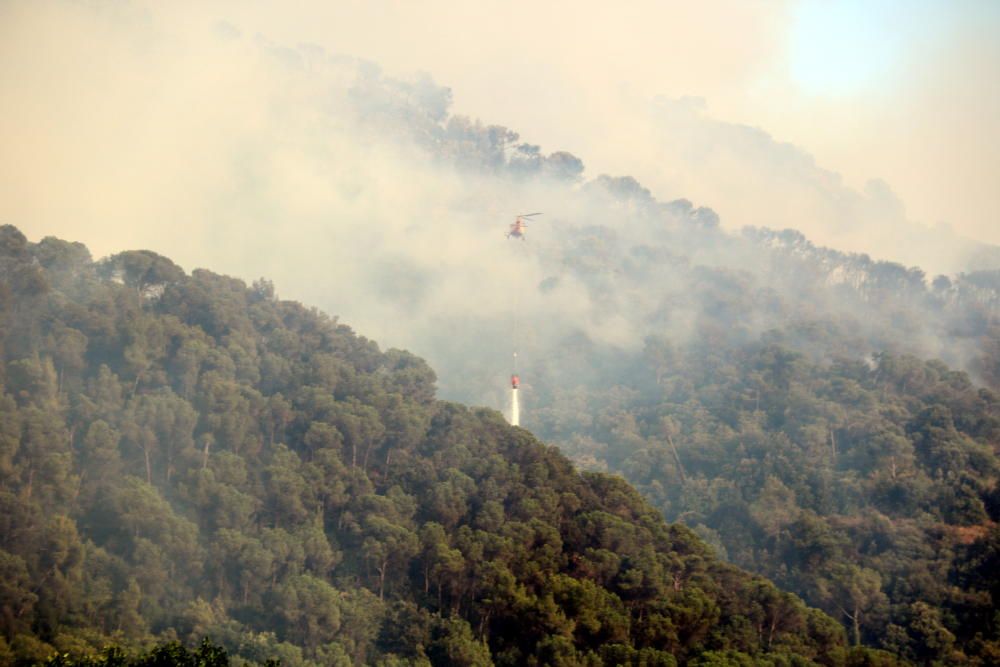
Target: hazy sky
(902, 91)
(907, 91)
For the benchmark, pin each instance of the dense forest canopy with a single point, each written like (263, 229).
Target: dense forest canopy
(784, 409)
(772, 395)
(186, 456)
(776, 396)
(868, 488)
(767, 393)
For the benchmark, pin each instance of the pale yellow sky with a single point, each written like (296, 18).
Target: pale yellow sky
(578, 74)
(906, 92)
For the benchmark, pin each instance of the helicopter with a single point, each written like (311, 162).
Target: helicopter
(519, 225)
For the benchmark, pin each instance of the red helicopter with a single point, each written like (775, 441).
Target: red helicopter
(515, 381)
(519, 225)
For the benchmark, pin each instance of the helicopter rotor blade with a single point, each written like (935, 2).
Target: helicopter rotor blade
(528, 215)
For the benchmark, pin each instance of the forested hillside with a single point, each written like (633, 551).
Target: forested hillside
(182, 455)
(185, 456)
(782, 409)
(869, 489)
(823, 418)
(826, 419)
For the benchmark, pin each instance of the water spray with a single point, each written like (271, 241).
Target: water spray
(517, 230)
(515, 407)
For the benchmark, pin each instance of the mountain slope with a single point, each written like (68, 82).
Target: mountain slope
(185, 456)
